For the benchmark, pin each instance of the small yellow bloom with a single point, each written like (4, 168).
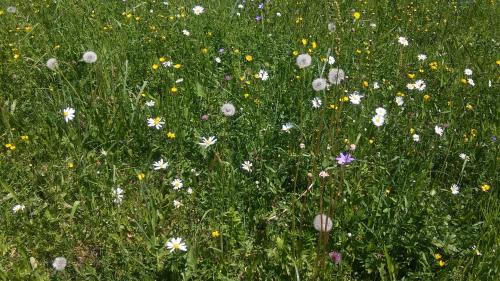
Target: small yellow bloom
(1, 12)
(297, 77)
(28, 28)
(441, 263)
(16, 56)
(433, 65)
(236, 51)
(412, 131)
(209, 34)
(248, 58)
(141, 176)
(246, 95)
(437, 256)
(365, 84)
(334, 106)
(358, 51)
(129, 16)
(400, 94)
(371, 141)
(137, 18)
(485, 187)
(10, 146)
(71, 165)
(155, 66)
(427, 98)
(411, 75)
(173, 90)
(314, 45)
(469, 106)
(177, 66)
(498, 62)
(304, 41)
(171, 135)
(295, 53)
(463, 81)
(25, 138)
(204, 50)
(163, 59)
(344, 99)
(356, 15)
(298, 20)
(215, 233)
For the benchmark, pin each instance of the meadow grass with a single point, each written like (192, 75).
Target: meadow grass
(415, 203)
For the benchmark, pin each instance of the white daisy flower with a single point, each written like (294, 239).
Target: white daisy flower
(463, 156)
(422, 57)
(205, 143)
(118, 194)
(376, 85)
(69, 114)
(177, 184)
(471, 82)
(316, 102)
(287, 127)
(378, 120)
(247, 166)
(403, 41)
(155, 122)
(455, 189)
(331, 60)
(186, 32)
(416, 138)
(468, 72)
(355, 98)
(439, 130)
(263, 75)
(18, 208)
(177, 204)
(150, 103)
(160, 165)
(176, 244)
(198, 10)
(381, 111)
(399, 101)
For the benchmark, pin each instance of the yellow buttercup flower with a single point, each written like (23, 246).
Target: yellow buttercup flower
(155, 66)
(248, 58)
(215, 233)
(485, 187)
(171, 135)
(173, 90)
(442, 263)
(141, 176)
(177, 66)
(356, 15)
(427, 98)
(437, 256)
(411, 75)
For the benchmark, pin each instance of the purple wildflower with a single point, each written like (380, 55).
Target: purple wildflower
(204, 117)
(344, 159)
(336, 257)
(261, 5)
(494, 138)
(258, 18)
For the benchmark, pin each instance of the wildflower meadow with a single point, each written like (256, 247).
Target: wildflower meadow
(249, 140)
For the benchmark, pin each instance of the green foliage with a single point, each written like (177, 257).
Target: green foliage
(392, 207)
